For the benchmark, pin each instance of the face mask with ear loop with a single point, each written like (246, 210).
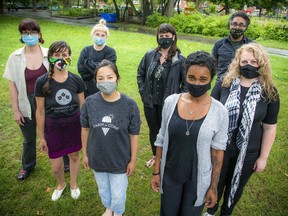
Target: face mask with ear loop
(59, 63)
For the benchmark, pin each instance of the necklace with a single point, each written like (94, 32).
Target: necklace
(188, 128)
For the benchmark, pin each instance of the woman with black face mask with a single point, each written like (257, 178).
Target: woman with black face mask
(252, 101)
(160, 73)
(190, 143)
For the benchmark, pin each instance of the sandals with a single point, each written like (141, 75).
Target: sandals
(151, 162)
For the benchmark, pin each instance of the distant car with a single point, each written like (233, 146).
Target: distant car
(11, 6)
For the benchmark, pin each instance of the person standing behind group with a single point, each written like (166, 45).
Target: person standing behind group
(110, 128)
(252, 100)
(59, 97)
(191, 143)
(224, 49)
(91, 56)
(161, 73)
(23, 67)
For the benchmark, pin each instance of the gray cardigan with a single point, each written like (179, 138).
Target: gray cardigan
(212, 134)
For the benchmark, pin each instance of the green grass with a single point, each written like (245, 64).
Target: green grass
(265, 194)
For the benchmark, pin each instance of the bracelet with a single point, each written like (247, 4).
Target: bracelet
(158, 173)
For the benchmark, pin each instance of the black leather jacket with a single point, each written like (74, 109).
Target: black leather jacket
(175, 80)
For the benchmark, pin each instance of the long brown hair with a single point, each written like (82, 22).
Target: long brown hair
(31, 25)
(167, 28)
(58, 46)
(268, 88)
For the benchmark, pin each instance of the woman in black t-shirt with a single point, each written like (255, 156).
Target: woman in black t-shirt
(59, 96)
(252, 100)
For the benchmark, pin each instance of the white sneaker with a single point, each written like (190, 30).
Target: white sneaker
(57, 194)
(75, 193)
(207, 214)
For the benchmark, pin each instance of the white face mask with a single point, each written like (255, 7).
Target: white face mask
(106, 87)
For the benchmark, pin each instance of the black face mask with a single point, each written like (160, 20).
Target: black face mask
(165, 43)
(248, 71)
(198, 90)
(236, 33)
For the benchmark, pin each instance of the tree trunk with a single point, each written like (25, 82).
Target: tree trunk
(169, 8)
(34, 5)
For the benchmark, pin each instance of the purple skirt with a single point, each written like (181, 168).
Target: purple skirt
(63, 135)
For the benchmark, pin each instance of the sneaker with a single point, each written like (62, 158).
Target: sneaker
(57, 194)
(75, 193)
(207, 214)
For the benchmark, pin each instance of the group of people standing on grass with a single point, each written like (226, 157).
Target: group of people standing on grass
(203, 146)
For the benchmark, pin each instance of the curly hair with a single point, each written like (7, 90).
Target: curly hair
(167, 28)
(265, 78)
(201, 58)
(57, 46)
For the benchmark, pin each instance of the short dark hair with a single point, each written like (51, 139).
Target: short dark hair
(201, 58)
(240, 14)
(110, 64)
(31, 25)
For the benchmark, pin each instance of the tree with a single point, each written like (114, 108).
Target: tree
(228, 4)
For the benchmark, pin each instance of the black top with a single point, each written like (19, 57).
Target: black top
(159, 77)
(63, 100)
(89, 58)
(111, 124)
(266, 112)
(224, 51)
(181, 159)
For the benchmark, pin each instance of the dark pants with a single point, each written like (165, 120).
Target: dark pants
(91, 88)
(153, 117)
(179, 199)
(29, 139)
(224, 186)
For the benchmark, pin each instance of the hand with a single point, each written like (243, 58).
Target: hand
(259, 165)
(155, 183)
(19, 118)
(85, 162)
(211, 198)
(131, 168)
(43, 145)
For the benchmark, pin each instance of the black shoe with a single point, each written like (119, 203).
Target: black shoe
(23, 175)
(66, 168)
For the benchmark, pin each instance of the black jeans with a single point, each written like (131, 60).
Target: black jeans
(153, 117)
(224, 186)
(179, 199)
(29, 139)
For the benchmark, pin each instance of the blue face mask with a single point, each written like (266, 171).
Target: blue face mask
(30, 40)
(99, 41)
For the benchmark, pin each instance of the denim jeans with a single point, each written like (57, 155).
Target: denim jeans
(112, 190)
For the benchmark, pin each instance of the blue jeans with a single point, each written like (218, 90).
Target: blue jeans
(112, 190)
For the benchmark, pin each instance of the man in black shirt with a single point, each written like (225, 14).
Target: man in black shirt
(224, 49)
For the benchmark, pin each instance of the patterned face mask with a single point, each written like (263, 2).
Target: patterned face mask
(59, 63)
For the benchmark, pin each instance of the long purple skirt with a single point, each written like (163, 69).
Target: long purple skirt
(63, 135)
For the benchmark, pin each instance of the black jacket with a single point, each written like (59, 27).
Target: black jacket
(175, 80)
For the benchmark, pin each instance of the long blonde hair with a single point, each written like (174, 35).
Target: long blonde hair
(269, 90)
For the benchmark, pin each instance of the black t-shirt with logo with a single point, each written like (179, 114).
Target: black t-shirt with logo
(63, 100)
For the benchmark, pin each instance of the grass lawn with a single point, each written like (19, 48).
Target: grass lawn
(265, 194)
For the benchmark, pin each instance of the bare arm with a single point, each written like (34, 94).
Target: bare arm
(81, 99)
(18, 116)
(84, 138)
(268, 138)
(155, 180)
(40, 120)
(134, 140)
(217, 160)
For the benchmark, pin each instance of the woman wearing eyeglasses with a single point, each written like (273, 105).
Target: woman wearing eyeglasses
(161, 73)
(23, 67)
(91, 56)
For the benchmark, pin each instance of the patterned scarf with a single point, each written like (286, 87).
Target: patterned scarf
(233, 106)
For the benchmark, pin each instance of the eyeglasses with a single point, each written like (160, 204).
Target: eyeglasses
(235, 24)
(32, 33)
